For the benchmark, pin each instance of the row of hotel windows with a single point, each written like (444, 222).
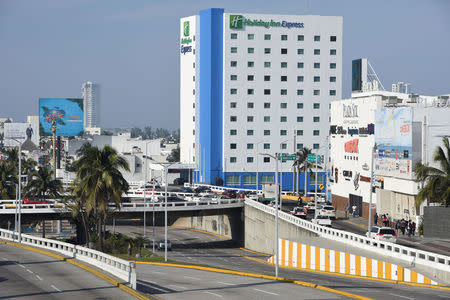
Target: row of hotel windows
(251, 132)
(300, 51)
(263, 178)
(283, 92)
(267, 105)
(283, 37)
(268, 64)
(266, 146)
(283, 78)
(267, 119)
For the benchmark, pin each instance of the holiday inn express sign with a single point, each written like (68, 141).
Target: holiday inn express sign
(238, 22)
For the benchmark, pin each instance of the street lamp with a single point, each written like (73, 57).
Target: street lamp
(145, 194)
(19, 225)
(276, 209)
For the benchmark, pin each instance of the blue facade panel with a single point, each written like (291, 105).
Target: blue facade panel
(210, 94)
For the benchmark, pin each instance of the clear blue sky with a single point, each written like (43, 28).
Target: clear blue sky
(49, 47)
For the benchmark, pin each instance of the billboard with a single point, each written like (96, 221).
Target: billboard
(393, 137)
(20, 132)
(67, 113)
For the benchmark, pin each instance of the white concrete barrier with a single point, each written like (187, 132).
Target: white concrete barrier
(118, 267)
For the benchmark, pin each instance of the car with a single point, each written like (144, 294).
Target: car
(169, 199)
(179, 181)
(310, 207)
(162, 245)
(230, 193)
(322, 220)
(299, 212)
(185, 189)
(251, 196)
(35, 200)
(386, 234)
(201, 189)
(327, 210)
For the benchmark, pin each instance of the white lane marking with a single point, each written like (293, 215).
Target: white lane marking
(38, 277)
(188, 257)
(4, 258)
(196, 278)
(22, 266)
(404, 297)
(262, 291)
(157, 272)
(225, 283)
(177, 286)
(55, 288)
(211, 293)
(29, 271)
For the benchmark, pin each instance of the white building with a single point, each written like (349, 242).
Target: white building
(91, 103)
(400, 87)
(406, 129)
(251, 84)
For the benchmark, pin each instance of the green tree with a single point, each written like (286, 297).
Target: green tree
(175, 153)
(302, 164)
(436, 181)
(135, 132)
(100, 181)
(42, 184)
(8, 178)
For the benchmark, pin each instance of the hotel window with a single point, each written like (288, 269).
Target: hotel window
(300, 65)
(266, 118)
(299, 146)
(300, 37)
(249, 118)
(233, 91)
(266, 146)
(250, 64)
(266, 92)
(316, 105)
(250, 105)
(300, 51)
(283, 92)
(269, 178)
(193, 92)
(233, 159)
(233, 146)
(284, 64)
(316, 78)
(193, 65)
(250, 91)
(250, 77)
(300, 78)
(317, 38)
(266, 77)
(299, 92)
(250, 132)
(332, 79)
(283, 146)
(267, 132)
(267, 64)
(332, 51)
(266, 104)
(300, 105)
(266, 50)
(332, 92)
(316, 132)
(249, 179)
(250, 36)
(283, 50)
(249, 160)
(316, 119)
(233, 118)
(316, 146)
(316, 93)
(251, 50)
(316, 51)
(233, 77)
(316, 65)
(283, 78)
(283, 105)
(233, 131)
(193, 78)
(299, 132)
(249, 146)
(193, 132)
(332, 65)
(233, 104)
(233, 49)
(267, 37)
(333, 38)
(283, 132)
(283, 119)
(233, 63)
(233, 179)
(299, 119)
(284, 37)
(234, 36)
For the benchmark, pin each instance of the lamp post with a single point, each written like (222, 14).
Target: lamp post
(145, 194)
(19, 219)
(372, 175)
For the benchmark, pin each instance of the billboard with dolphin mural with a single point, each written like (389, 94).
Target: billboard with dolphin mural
(66, 113)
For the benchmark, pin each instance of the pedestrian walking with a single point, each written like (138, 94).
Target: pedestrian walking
(375, 219)
(388, 222)
(413, 228)
(354, 211)
(403, 226)
(409, 228)
(346, 211)
(383, 220)
(397, 227)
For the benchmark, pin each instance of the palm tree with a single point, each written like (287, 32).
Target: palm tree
(100, 181)
(8, 178)
(302, 163)
(43, 185)
(436, 182)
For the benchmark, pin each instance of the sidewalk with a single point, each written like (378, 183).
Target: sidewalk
(435, 245)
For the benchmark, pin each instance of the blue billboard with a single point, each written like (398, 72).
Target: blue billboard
(66, 113)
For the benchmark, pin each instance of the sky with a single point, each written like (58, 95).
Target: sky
(48, 48)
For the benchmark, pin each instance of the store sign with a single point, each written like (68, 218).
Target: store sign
(238, 22)
(364, 178)
(186, 49)
(350, 111)
(368, 130)
(186, 28)
(351, 146)
(186, 40)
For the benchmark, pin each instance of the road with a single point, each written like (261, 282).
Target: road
(197, 247)
(30, 275)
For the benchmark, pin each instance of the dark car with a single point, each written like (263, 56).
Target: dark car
(34, 200)
(169, 199)
(186, 190)
(179, 181)
(230, 193)
(202, 189)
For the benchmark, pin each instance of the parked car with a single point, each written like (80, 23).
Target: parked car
(230, 193)
(162, 245)
(322, 220)
(169, 199)
(179, 181)
(327, 210)
(35, 200)
(386, 234)
(201, 189)
(299, 212)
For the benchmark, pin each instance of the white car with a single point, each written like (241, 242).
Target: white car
(322, 220)
(252, 196)
(299, 212)
(327, 210)
(386, 234)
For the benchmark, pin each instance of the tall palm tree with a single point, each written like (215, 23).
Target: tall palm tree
(302, 163)
(8, 178)
(42, 184)
(436, 182)
(100, 181)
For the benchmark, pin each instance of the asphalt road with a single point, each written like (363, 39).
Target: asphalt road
(29, 275)
(196, 247)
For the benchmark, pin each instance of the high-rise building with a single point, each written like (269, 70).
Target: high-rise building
(400, 87)
(91, 103)
(253, 84)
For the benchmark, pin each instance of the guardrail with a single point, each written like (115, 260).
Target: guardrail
(120, 268)
(410, 255)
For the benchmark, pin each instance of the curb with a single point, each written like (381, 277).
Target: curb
(112, 281)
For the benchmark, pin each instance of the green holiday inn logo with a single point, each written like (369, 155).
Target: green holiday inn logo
(186, 28)
(236, 21)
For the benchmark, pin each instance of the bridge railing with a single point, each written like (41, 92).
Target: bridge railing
(410, 255)
(118, 267)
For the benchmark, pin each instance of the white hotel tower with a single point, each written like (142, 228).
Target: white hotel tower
(252, 84)
(91, 104)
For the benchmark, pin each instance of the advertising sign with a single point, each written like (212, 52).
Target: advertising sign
(67, 114)
(20, 132)
(393, 137)
(238, 22)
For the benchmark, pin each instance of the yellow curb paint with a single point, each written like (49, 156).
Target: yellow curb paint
(357, 265)
(347, 263)
(254, 252)
(283, 251)
(368, 267)
(317, 258)
(291, 256)
(308, 256)
(413, 276)
(387, 270)
(380, 269)
(337, 261)
(426, 280)
(401, 274)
